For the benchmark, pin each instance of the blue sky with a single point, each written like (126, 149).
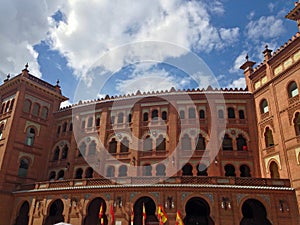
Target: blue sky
(98, 43)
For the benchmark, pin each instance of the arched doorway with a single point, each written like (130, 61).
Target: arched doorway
(274, 170)
(22, 218)
(197, 212)
(150, 209)
(254, 213)
(55, 213)
(93, 212)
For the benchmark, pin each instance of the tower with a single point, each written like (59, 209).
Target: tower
(27, 106)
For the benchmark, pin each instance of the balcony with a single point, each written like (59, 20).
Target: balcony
(293, 100)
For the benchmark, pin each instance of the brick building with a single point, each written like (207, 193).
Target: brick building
(220, 156)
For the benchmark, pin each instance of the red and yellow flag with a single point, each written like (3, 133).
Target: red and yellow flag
(162, 216)
(112, 214)
(144, 215)
(179, 220)
(101, 214)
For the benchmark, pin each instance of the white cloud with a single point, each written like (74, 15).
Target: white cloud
(238, 62)
(23, 24)
(265, 27)
(238, 83)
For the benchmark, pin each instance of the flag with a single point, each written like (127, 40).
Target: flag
(101, 214)
(144, 215)
(112, 214)
(132, 217)
(162, 216)
(178, 219)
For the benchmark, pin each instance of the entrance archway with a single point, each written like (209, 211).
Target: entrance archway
(197, 212)
(150, 209)
(254, 213)
(22, 218)
(93, 212)
(55, 213)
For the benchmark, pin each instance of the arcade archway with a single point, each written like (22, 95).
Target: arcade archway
(254, 213)
(22, 218)
(197, 212)
(93, 212)
(150, 209)
(55, 213)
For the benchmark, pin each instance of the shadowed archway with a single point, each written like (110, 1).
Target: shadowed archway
(254, 213)
(22, 218)
(197, 212)
(55, 213)
(92, 217)
(150, 209)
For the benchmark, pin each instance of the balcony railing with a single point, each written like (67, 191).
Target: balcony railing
(240, 181)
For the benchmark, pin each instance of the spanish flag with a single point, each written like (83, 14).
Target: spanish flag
(162, 216)
(101, 214)
(144, 215)
(178, 218)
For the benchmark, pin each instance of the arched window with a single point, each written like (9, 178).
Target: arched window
(245, 171)
(27, 106)
(82, 124)
(293, 89)
(123, 171)
(79, 173)
(112, 146)
(241, 143)
(145, 117)
(187, 170)
(147, 145)
(11, 104)
(186, 142)
(82, 150)
(200, 142)
(147, 170)
(89, 172)
(124, 145)
(201, 114)
(7, 106)
(30, 136)
(110, 172)
(97, 122)
(227, 143)
(154, 114)
(71, 127)
(44, 112)
(160, 143)
(61, 175)
(192, 113)
(297, 123)
(221, 114)
(164, 115)
(1, 130)
(231, 113)
(202, 170)
(181, 114)
(65, 150)
(58, 130)
(129, 118)
(23, 168)
(64, 127)
(92, 148)
(274, 170)
(241, 114)
(120, 117)
(2, 108)
(36, 109)
(269, 137)
(56, 154)
(52, 175)
(90, 122)
(112, 119)
(229, 170)
(264, 108)
(160, 170)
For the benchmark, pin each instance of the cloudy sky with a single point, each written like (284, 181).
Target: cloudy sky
(120, 46)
